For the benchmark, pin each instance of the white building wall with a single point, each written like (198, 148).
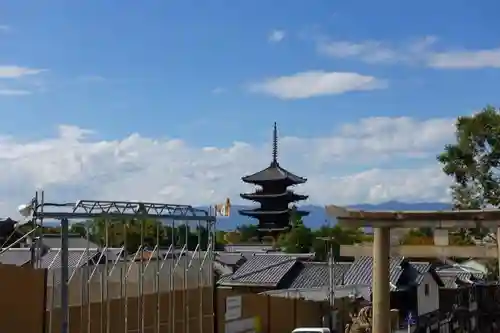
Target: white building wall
(427, 295)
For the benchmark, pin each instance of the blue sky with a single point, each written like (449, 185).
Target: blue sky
(161, 60)
(213, 72)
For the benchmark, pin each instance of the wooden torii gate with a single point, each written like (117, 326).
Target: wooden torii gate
(383, 221)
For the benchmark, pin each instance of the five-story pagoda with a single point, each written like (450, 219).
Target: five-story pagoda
(273, 196)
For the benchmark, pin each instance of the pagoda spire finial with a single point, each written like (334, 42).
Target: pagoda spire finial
(275, 145)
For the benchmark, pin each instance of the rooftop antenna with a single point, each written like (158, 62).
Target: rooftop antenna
(275, 146)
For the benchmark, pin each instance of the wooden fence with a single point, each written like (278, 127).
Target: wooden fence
(23, 308)
(105, 317)
(22, 299)
(237, 313)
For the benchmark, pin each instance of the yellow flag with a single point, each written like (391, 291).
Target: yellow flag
(223, 209)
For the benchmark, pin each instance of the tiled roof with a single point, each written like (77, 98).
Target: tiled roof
(76, 258)
(360, 272)
(449, 282)
(222, 269)
(17, 257)
(230, 259)
(458, 274)
(74, 241)
(421, 268)
(272, 173)
(317, 274)
(266, 270)
(247, 248)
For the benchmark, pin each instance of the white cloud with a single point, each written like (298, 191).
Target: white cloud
(14, 92)
(369, 51)
(276, 36)
(421, 51)
(91, 78)
(316, 83)
(218, 90)
(466, 59)
(342, 168)
(4, 28)
(14, 72)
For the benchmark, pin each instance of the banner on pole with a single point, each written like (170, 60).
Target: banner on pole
(223, 209)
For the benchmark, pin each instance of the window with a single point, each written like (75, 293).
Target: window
(426, 289)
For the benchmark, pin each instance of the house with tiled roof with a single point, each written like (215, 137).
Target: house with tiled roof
(45, 249)
(414, 286)
(459, 295)
(263, 272)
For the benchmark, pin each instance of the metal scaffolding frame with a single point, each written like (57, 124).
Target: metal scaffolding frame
(176, 268)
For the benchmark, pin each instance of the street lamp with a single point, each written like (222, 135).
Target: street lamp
(26, 210)
(29, 211)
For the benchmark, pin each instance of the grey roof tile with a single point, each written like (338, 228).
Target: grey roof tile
(74, 241)
(16, 257)
(449, 282)
(360, 272)
(261, 270)
(421, 268)
(230, 259)
(342, 268)
(248, 248)
(76, 258)
(317, 274)
(273, 172)
(221, 269)
(459, 275)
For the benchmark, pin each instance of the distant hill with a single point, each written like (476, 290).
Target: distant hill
(318, 217)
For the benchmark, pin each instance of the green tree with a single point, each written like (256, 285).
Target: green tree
(248, 232)
(474, 161)
(298, 240)
(492, 267)
(121, 231)
(417, 237)
(220, 236)
(338, 236)
(79, 228)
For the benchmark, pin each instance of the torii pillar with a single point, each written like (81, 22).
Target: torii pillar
(383, 221)
(380, 289)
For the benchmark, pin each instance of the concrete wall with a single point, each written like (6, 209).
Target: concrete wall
(424, 251)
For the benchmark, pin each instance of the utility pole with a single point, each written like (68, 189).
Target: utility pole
(64, 275)
(329, 241)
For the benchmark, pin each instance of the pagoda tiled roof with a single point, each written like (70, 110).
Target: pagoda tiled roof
(259, 211)
(274, 173)
(264, 195)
